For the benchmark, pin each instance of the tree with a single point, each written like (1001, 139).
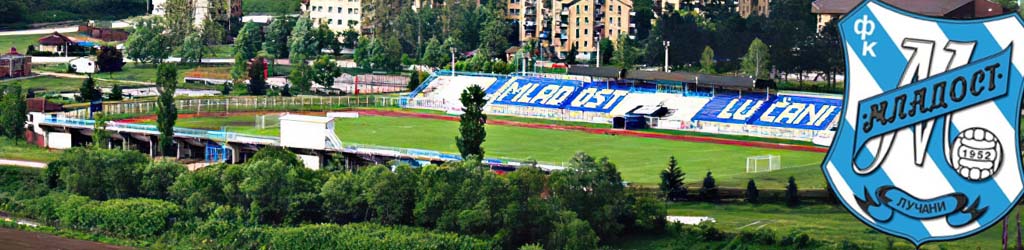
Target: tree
(225, 89)
(607, 50)
(167, 113)
(361, 54)
(325, 70)
(257, 77)
(593, 189)
(792, 196)
(88, 91)
(707, 61)
(349, 38)
(248, 42)
(493, 36)
(212, 33)
(709, 191)
(100, 135)
(415, 79)
(471, 123)
(300, 44)
(12, 120)
(97, 173)
(193, 49)
(327, 39)
(238, 69)
(148, 44)
(752, 193)
(179, 19)
(116, 93)
(109, 59)
(626, 52)
(571, 233)
(276, 40)
(434, 55)
(573, 52)
(158, 176)
(301, 78)
(755, 62)
(672, 181)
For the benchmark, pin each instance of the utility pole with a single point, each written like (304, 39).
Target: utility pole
(597, 42)
(666, 43)
(452, 49)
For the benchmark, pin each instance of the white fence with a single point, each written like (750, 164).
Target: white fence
(248, 103)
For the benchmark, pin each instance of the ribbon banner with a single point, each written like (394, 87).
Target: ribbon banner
(889, 200)
(953, 90)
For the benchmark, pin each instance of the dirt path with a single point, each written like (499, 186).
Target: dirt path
(15, 239)
(605, 131)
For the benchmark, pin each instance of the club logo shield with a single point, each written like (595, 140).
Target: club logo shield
(927, 144)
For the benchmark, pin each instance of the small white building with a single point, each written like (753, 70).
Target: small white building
(83, 65)
(308, 132)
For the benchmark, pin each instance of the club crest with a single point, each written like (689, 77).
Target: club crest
(927, 145)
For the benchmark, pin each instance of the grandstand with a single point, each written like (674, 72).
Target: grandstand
(677, 101)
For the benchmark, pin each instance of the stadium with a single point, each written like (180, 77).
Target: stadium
(736, 128)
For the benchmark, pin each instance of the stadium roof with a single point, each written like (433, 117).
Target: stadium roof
(606, 71)
(690, 77)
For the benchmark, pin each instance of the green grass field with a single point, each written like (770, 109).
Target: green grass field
(22, 150)
(58, 84)
(21, 42)
(823, 222)
(639, 159)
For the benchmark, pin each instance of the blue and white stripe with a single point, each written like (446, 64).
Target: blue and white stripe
(868, 76)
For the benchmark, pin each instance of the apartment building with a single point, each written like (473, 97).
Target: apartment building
(828, 10)
(753, 7)
(338, 15)
(221, 11)
(559, 24)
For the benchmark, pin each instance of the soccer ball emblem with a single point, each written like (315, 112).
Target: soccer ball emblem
(977, 154)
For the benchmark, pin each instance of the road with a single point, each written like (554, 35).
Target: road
(65, 29)
(62, 59)
(19, 163)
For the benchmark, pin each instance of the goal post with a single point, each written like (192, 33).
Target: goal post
(268, 121)
(763, 163)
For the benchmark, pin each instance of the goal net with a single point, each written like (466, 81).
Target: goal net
(763, 163)
(268, 121)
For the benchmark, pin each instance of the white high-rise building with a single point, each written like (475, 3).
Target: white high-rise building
(338, 15)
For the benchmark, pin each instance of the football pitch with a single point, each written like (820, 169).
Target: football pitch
(638, 159)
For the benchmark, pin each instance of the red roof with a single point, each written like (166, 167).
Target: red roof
(928, 8)
(55, 39)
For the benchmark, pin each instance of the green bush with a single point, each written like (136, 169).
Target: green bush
(367, 236)
(129, 218)
(132, 218)
(98, 173)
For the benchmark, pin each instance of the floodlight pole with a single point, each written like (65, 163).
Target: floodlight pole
(452, 49)
(597, 42)
(666, 43)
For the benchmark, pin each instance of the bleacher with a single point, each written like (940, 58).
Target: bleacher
(799, 116)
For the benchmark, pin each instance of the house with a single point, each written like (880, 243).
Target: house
(14, 64)
(56, 43)
(83, 65)
(828, 10)
(103, 32)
